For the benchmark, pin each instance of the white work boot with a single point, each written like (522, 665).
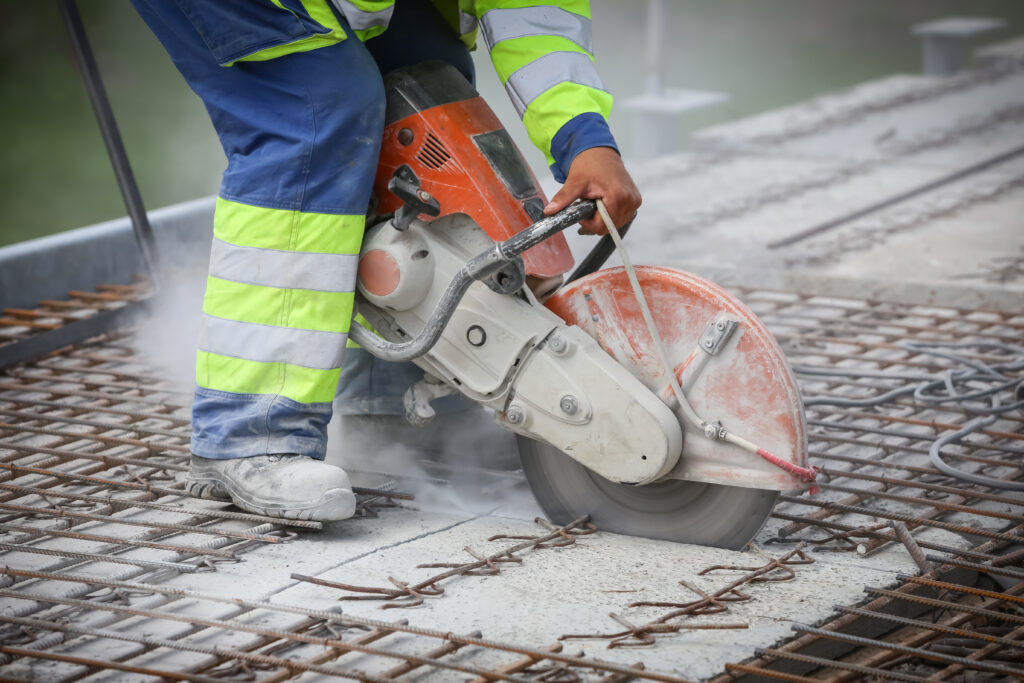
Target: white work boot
(288, 485)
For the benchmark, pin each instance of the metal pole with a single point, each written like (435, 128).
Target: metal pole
(90, 73)
(655, 45)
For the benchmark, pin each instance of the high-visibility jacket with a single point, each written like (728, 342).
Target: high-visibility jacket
(542, 51)
(302, 137)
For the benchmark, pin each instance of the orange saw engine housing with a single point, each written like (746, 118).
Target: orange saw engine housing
(439, 127)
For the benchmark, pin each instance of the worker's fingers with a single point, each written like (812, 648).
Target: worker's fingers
(621, 201)
(598, 173)
(570, 192)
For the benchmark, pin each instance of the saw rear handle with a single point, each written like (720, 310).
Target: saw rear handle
(499, 267)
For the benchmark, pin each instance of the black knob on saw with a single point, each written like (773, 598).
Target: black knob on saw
(416, 200)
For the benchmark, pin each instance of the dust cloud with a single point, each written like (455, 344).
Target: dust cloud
(166, 335)
(458, 462)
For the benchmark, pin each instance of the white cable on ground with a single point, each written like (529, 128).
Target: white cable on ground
(710, 430)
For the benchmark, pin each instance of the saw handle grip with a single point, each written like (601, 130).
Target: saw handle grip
(480, 267)
(548, 227)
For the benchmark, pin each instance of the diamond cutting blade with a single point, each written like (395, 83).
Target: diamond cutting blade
(718, 494)
(672, 509)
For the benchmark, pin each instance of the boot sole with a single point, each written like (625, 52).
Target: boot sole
(335, 504)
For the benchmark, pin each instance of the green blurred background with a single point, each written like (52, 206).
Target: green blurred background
(764, 53)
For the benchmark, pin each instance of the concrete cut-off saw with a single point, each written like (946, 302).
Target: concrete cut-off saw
(592, 395)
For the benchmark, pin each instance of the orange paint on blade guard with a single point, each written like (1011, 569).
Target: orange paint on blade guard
(748, 385)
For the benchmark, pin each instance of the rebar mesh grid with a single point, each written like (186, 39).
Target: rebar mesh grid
(875, 439)
(94, 521)
(91, 442)
(20, 324)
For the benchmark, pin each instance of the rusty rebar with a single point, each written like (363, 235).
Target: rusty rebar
(643, 635)
(885, 674)
(413, 594)
(204, 512)
(974, 566)
(191, 529)
(180, 645)
(139, 543)
(914, 651)
(910, 543)
(928, 625)
(945, 604)
(911, 500)
(37, 388)
(89, 408)
(151, 446)
(109, 426)
(910, 519)
(344, 619)
(110, 501)
(709, 603)
(110, 460)
(446, 648)
(970, 590)
(105, 664)
(867, 531)
(93, 557)
(908, 483)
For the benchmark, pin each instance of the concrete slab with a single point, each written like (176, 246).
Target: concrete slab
(553, 593)
(265, 572)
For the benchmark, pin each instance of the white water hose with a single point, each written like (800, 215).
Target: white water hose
(711, 430)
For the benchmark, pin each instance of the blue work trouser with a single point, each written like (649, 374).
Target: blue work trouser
(302, 133)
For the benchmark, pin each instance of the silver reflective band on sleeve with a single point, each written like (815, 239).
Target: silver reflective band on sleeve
(530, 81)
(283, 269)
(360, 20)
(505, 24)
(269, 344)
(467, 22)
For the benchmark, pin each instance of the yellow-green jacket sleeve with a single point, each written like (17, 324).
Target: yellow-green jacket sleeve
(543, 55)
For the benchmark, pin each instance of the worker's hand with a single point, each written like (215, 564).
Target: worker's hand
(598, 173)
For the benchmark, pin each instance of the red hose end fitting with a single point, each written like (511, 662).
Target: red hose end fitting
(805, 474)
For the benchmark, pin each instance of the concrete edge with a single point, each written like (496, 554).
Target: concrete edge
(106, 252)
(964, 296)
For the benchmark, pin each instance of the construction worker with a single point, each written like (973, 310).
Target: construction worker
(294, 90)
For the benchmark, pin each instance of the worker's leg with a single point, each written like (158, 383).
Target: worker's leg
(301, 131)
(416, 33)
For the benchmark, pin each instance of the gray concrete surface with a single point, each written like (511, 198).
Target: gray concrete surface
(717, 209)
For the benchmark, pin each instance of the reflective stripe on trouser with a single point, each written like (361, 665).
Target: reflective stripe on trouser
(302, 135)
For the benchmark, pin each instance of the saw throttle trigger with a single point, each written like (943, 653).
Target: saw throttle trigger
(415, 200)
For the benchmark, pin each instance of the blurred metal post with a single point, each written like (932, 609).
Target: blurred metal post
(944, 41)
(657, 114)
(90, 73)
(655, 46)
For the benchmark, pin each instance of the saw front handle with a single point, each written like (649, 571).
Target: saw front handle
(491, 267)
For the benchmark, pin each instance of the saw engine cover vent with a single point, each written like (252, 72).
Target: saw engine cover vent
(433, 153)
